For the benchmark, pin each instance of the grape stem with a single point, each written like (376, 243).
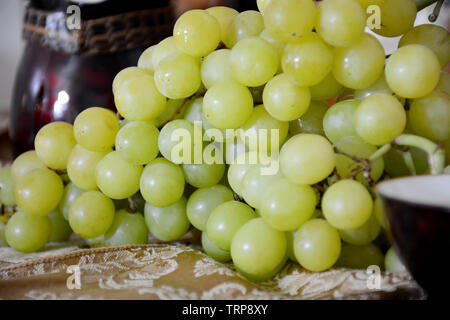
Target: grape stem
(421, 4)
(435, 14)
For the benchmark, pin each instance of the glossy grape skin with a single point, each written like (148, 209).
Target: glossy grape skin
(392, 262)
(308, 61)
(363, 235)
(286, 206)
(162, 183)
(338, 121)
(214, 251)
(444, 82)
(360, 257)
(253, 61)
(397, 17)
(360, 64)
(379, 119)
(237, 171)
(225, 221)
(227, 105)
(347, 204)
(60, 228)
(224, 16)
(307, 159)
(53, 144)
(7, 187)
(81, 167)
(311, 121)
(169, 223)
(91, 214)
(27, 233)
(340, 22)
(203, 175)
(39, 192)
(95, 129)
(127, 228)
(284, 100)
(26, 162)
(328, 88)
(216, 68)
(145, 59)
(395, 164)
(127, 74)
(379, 86)
(429, 116)
(317, 245)
(172, 111)
(258, 251)
(166, 144)
(164, 49)
(70, 193)
(244, 25)
(137, 142)
(116, 177)
(276, 44)
(413, 71)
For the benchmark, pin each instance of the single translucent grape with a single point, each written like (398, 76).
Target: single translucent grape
(95, 129)
(444, 82)
(172, 111)
(379, 119)
(238, 170)
(169, 223)
(81, 167)
(245, 24)
(216, 67)
(126, 74)
(347, 204)
(392, 262)
(203, 175)
(289, 20)
(258, 251)
(127, 228)
(395, 164)
(360, 257)
(378, 212)
(26, 162)
(145, 59)
(164, 49)
(162, 183)
(307, 159)
(360, 64)
(429, 116)
(7, 187)
(338, 120)
(176, 141)
(225, 221)
(27, 233)
(71, 192)
(284, 100)
(397, 17)
(379, 86)
(60, 228)
(224, 16)
(308, 60)
(285, 206)
(340, 22)
(227, 105)
(328, 88)
(53, 144)
(116, 177)
(137, 142)
(262, 4)
(193, 110)
(363, 235)
(317, 245)
(39, 192)
(91, 214)
(214, 251)
(311, 121)
(413, 71)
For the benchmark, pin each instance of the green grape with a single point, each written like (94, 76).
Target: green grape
(261, 120)
(238, 170)
(7, 187)
(162, 183)
(216, 68)
(429, 116)
(60, 228)
(392, 262)
(95, 129)
(379, 119)
(81, 167)
(227, 105)
(27, 233)
(245, 24)
(197, 33)
(127, 228)
(116, 177)
(26, 162)
(360, 64)
(126, 74)
(39, 192)
(308, 61)
(338, 120)
(363, 235)
(395, 164)
(262, 4)
(340, 22)
(171, 112)
(178, 76)
(289, 20)
(431, 36)
(378, 212)
(137, 142)
(444, 83)
(276, 44)
(413, 71)
(284, 100)
(328, 88)
(145, 59)
(214, 251)
(360, 257)
(285, 206)
(258, 251)
(193, 110)
(307, 159)
(203, 175)
(169, 223)
(379, 86)
(164, 49)
(397, 17)
(311, 121)
(290, 245)
(317, 245)
(174, 135)
(225, 220)
(347, 204)
(70, 193)
(53, 144)
(355, 146)
(91, 214)
(203, 201)
(96, 242)
(232, 150)
(224, 16)
(3, 242)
